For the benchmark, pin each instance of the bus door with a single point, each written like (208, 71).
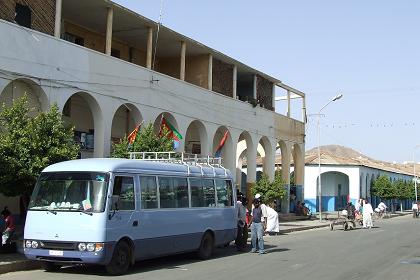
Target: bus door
(122, 217)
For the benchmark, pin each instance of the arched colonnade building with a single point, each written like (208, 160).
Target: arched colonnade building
(106, 84)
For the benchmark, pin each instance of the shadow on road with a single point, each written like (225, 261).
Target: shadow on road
(169, 262)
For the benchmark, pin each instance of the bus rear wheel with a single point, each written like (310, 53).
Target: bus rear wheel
(206, 246)
(120, 260)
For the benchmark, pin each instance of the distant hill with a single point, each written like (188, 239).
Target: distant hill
(339, 151)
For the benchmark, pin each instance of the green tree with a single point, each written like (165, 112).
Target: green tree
(146, 141)
(384, 188)
(270, 190)
(29, 144)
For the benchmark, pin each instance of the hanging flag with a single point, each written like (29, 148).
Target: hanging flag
(173, 133)
(221, 144)
(132, 136)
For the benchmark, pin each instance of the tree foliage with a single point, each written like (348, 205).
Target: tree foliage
(270, 190)
(399, 189)
(146, 141)
(29, 144)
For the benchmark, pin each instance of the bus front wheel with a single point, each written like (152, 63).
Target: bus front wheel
(120, 259)
(206, 246)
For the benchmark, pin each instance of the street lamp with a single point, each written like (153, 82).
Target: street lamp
(414, 172)
(319, 155)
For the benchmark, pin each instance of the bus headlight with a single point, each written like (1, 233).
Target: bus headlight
(28, 244)
(82, 246)
(90, 247)
(34, 244)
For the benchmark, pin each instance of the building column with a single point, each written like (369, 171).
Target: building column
(288, 104)
(251, 173)
(274, 97)
(270, 162)
(235, 81)
(109, 20)
(182, 63)
(254, 89)
(57, 26)
(149, 48)
(285, 174)
(303, 110)
(210, 73)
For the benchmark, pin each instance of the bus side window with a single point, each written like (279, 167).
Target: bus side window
(181, 192)
(166, 192)
(224, 193)
(148, 188)
(124, 188)
(197, 194)
(209, 193)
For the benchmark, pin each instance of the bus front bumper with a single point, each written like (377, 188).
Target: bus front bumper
(102, 257)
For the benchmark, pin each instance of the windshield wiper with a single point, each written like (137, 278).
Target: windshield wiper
(52, 211)
(86, 212)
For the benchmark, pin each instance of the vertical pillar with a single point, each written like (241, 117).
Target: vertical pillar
(288, 104)
(251, 176)
(235, 81)
(109, 20)
(285, 174)
(57, 26)
(270, 162)
(303, 109)
(182, 63)
(274, 97)
(210, 73)
(254, 89)
(149, 48)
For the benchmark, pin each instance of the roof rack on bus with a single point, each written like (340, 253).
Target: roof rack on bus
(182, 158)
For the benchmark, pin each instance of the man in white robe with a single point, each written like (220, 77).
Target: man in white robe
(367, 215)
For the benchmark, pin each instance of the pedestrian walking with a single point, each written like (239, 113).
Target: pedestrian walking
(367, 214)
(257, 228)
(242, 235)
(415, 209)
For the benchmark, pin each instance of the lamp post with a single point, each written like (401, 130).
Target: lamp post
(414, 172)
(319, 155)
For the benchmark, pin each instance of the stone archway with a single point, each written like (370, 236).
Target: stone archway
(196, 138)
(126, 118)
(37, 99)
(335, 190)
(83, 111)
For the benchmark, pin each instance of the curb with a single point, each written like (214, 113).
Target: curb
(20, 265)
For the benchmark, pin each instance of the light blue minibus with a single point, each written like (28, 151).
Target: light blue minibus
(114, 212)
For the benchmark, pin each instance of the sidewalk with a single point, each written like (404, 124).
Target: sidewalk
(18, 262)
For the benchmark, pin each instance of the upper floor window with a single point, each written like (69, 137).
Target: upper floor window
(23, 15)
(74, 39)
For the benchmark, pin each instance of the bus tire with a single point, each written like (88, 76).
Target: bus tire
(206, 246)
(121, 259)
(51, 267)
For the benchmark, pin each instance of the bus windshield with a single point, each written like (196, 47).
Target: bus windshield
(70, 191)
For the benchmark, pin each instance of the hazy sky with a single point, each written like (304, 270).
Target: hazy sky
(367, 50)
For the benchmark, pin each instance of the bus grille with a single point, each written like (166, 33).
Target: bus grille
(59, 245)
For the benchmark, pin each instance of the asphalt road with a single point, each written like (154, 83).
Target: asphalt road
(391, 250)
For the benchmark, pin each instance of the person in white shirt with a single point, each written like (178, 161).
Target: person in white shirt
(415, 209)
(367, 215)
(382, 206)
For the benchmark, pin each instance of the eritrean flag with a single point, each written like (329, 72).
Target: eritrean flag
(173, 133)
(221, 144)
(132, 136)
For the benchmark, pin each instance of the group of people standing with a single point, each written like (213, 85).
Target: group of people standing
(261, 219)
(364, 208)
